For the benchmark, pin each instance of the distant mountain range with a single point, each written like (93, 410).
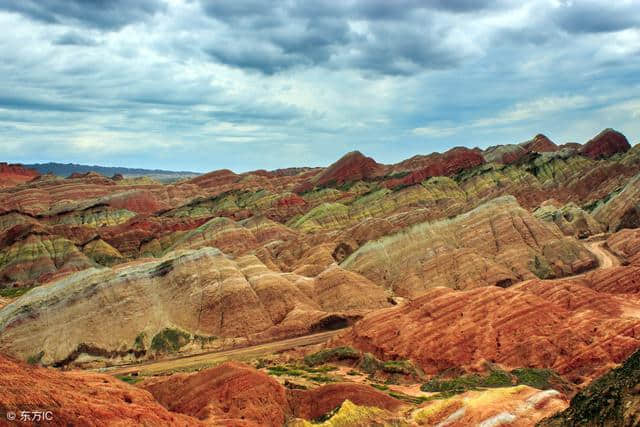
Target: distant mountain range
(66, 169)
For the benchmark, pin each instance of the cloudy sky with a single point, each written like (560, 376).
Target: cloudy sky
(247, 84)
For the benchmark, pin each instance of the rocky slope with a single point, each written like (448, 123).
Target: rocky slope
(622, 210)
(498, 243)
(611, 400)
(79, 398)
(574, 331)
(189, 294)
(12, 174)
(605, 144)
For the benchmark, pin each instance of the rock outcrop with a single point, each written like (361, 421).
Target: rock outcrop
(611, 400)
(605, 144)
(570, 219)
(498, 243)
(79, 398)
(622, 210)
(445, 329)
(236, 393)
(13, 174)
(188, 293)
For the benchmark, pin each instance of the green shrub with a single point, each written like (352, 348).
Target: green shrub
(138, 344)
(369, 363)
(338, 353)
(381, 387)
(14, 292)
(537, 378)
(398, 367)
(35, 359)
(280, 370)
(169, 340)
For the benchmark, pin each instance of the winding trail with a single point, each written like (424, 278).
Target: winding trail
(606, 259)
(215, 357)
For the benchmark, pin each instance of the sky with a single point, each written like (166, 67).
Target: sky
(247, 84)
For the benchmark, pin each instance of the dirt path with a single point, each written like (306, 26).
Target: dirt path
(605, 258)
(203, 359)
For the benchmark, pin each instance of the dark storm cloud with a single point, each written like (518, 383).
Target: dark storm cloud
(400, 37)
(35, 104)
(73, 38)
(101, 14)
(597, 17)
(248, 84)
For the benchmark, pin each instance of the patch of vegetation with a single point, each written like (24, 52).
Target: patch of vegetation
(203, 340)
(36, 358)
(536, 378)
(326, 417)
(369, 363)
(381, 387)
(398, 367)
(129, 379)
(542, 379)
(294, 386)
(138, 344)
(353, 372)
(496, 378)
(338, 353)
(415, 400)
(610, 400)
(590, 207)
(541, 268)
(321, 378)
(320, 369)
(14, 292)
(280, 370)
(397, 175)
(169, 340)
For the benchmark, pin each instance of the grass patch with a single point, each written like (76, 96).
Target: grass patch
(496, 378)
(381, 387)
(398, 367)
(326, 417)
(280, 370)
(203, 340)
(369, 363)
(14, 292)
(138, 344)
(321, 378)
(35, 359)
(542, 379)
(338, 353)
(537, 378)
(129, 379)
(169, 340)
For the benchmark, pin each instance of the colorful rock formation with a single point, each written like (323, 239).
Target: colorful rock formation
(78, 398)
(498, 243)
(605, 144)
(12, 174)
(195, 293)
(445, 329)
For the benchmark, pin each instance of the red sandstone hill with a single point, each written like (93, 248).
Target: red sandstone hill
(14, 174)
(419, 168)
(79, 398)
(540, 144)
(528, 326)
(353, 166)
(605, 144)
(234, 393)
